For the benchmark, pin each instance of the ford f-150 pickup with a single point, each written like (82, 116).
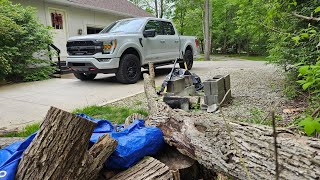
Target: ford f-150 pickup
(127, 45)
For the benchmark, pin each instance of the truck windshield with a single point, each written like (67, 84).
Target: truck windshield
(126, 26)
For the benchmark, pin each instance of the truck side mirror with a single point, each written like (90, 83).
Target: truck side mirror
(149, 33)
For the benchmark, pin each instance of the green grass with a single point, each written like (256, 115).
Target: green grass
(26, 131)
(116, 115)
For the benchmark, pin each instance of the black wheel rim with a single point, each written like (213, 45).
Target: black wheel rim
(132, 69)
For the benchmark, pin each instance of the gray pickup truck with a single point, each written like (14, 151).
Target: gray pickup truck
(127, 45)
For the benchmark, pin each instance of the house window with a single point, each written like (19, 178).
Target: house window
(57, 20)
(93, 30)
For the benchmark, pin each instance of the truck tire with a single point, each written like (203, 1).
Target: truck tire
(129, 71)
(188, 58)
(85, 76)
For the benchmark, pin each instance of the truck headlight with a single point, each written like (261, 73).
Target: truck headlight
(108, 47)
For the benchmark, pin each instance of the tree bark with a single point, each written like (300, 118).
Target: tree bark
(148, 168)
(152, 73)
(60, 149)
(206, 138)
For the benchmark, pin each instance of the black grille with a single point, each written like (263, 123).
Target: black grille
(84, 47)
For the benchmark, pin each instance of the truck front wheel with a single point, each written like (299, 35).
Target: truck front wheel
(129, 71)
(188, 58)
(85, 76)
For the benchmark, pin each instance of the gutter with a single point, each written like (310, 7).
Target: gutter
(68, 2)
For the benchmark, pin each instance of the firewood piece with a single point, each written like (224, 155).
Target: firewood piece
(205, 138)
(148, 168)
(60, 149)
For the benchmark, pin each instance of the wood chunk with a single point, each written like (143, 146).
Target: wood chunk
(148, 168)
(60, 149)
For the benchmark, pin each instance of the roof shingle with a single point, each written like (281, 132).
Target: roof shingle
(122, 6)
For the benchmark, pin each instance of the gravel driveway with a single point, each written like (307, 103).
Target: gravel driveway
(256, 89)
(254, 86)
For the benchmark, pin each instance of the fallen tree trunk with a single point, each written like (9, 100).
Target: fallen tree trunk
(205, 138)
(60, 149)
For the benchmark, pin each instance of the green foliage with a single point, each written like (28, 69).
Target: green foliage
(310, 125)
(21, 36)
(310, 78)
(114, 114)
(26, 131)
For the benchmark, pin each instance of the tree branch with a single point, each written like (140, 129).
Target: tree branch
(311, 18)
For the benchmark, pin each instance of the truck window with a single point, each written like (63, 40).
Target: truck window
(127, 26)
(152, 24)
(168, 28)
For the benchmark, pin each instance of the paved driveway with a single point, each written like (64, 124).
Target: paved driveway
(27, 102)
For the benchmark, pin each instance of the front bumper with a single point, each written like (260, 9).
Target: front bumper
(84, 63)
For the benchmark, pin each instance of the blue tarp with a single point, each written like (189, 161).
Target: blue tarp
(134, 142)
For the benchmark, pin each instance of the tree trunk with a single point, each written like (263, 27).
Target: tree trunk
(60, 149)
(207, 39)
(161, 8)
(156, 8)
(245, 149)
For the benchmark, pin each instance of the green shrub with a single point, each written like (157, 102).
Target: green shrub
(21, 36)
(310, 125)
(310, 78)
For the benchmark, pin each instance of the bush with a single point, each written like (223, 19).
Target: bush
(21, 36)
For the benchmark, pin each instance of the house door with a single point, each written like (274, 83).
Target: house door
(59, 30)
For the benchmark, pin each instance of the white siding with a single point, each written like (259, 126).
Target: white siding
(76, 18)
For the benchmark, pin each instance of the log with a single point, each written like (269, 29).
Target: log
(246, 152)
(148, 168)
(60, 149)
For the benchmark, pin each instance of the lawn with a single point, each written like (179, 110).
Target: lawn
(116, 115)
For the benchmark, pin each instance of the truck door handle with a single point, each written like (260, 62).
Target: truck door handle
(162, 41)
(176, 41)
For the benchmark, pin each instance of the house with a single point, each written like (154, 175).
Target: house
(80, 17)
